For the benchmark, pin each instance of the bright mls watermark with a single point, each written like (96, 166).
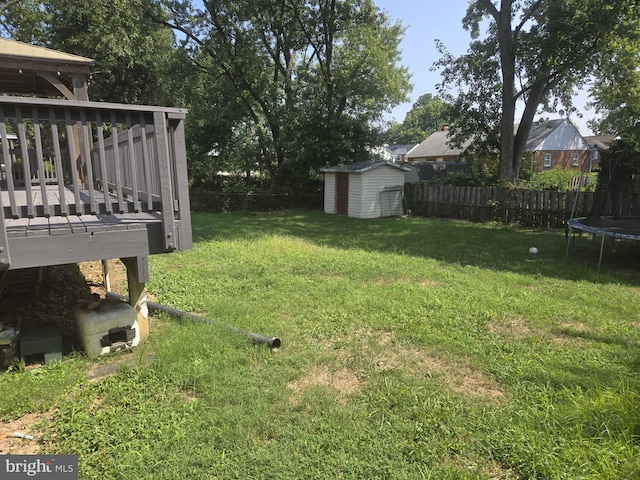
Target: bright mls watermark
(49, 467)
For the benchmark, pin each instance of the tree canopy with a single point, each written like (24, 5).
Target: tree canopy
(427, 115)
(533, 54)
(305, 81)
(276, 86)
(616, 89)
(133, 54)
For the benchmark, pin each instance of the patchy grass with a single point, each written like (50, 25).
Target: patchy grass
(412, 348)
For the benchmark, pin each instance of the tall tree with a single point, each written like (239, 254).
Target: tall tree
(133, 54)
(311, 76)
(427, 115)
(616, 91)
(534, 52)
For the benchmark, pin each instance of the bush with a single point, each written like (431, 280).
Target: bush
(559, 180)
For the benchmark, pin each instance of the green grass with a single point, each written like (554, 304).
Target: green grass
(412, 348)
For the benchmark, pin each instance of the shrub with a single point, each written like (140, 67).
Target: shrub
(560, 180)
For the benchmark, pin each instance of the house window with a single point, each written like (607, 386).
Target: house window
(576, 160)
(547, 160)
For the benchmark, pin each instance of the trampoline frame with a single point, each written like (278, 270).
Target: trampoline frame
(603, 231)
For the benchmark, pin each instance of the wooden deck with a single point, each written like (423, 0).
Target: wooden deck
(105, 181)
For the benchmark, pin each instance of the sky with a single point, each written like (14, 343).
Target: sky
(427, 21)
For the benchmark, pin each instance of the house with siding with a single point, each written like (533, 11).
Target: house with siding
(438, 147)
(551, 143)
(558, 143)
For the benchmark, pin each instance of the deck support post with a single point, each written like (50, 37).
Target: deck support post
(137, 275)
(107, 273)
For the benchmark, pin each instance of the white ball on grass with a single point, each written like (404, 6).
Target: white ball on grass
(533, 250)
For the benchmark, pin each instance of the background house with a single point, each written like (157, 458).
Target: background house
(437, 148)
(599, 144)
(393, 153)
(365, 189)
(422, 171)
(558, 143)
(435, 157)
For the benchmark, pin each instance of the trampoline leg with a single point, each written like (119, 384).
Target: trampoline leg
(601, 250)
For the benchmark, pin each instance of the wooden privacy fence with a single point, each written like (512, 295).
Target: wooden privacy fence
(531, 208)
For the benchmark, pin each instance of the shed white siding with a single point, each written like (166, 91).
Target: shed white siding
(372, 185)
(355, 194)
(375, 189)
(330, 193)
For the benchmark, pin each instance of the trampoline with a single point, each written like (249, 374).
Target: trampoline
(626, 228)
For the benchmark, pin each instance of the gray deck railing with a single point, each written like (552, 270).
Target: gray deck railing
(90, 158)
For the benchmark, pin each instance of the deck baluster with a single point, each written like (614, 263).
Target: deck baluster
(8, 165)
(117, 162)
(132, 164)
(102, 161)
(85, 141)
(146, 164)
(40, 162)
(71, 141)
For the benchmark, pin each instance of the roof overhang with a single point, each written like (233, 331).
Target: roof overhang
(33, 70)
(362, 167)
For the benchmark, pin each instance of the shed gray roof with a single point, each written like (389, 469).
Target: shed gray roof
(361, 167)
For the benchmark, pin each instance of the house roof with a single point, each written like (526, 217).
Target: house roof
(555, 135)
(400, 149)
(601, 142)
(361, 167)
(436, 145)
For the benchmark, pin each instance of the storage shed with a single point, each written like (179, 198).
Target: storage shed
(365, 189)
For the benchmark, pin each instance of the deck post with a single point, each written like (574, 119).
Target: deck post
(107, 273)
(5, 259)
(137, 275)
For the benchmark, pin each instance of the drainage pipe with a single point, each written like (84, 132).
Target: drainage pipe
(271, 342)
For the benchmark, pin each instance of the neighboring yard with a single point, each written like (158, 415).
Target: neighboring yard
(412, 348)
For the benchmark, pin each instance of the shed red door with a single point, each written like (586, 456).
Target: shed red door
(342, 193)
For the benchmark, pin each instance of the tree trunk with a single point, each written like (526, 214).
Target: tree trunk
(508, 67)
(526, 122)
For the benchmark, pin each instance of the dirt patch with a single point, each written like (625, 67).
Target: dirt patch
(510, 327)
(93, 273)
(568, 333)
(378, 350)
(342, 381)
(460, 378)
(26, 425)
(48, 297)
(405, 281)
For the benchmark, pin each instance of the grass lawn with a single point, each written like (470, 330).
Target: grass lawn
(411, 348)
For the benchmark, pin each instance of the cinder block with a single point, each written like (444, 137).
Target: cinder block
(45, 343)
